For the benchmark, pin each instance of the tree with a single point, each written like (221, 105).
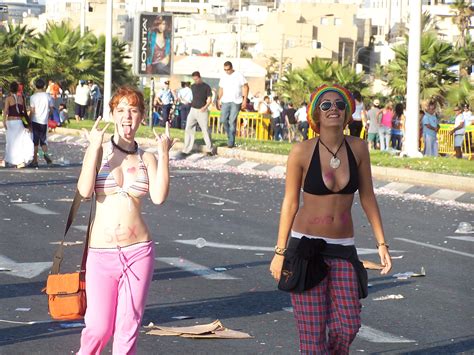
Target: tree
(463, 11)
(460, 93)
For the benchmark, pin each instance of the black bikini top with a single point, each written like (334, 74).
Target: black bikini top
(314, 183)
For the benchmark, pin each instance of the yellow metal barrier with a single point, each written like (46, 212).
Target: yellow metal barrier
(446, 141)
(251, 125)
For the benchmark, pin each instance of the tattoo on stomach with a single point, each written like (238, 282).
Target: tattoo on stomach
(120, 234)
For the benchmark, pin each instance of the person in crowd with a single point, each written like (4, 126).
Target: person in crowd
(95, 101)
(384, 118)
(264, 105)
(291, 123)
(328, 170)
(275, 111)
(63, 114)
(398, 127)
(19, 143)
(184, 98)
(81, 98)
(159, 47)
(467, 114)
(232, 97)
(302, 119)
(358, 117)
(121, 254)
(165, 99)
(199, 115)
(373, 124)
(41, 105)
(458, 131)
(55, 91)
(430, 130)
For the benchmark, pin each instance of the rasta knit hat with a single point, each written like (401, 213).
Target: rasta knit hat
(316, 96)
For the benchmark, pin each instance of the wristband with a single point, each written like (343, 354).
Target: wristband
(382, 244)
(279, 251)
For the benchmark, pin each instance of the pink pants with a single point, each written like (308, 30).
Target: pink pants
(117, 282)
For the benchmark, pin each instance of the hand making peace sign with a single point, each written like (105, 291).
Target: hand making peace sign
(164, 140)
(96, 136)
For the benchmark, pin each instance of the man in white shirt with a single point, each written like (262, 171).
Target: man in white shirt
(165, 100)
(185, 97)
(275, 111)
(467, 114)
(232, 97)
(302, 119)
(458, 131)
(40, 106)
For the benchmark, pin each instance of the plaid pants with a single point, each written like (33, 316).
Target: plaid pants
(333, 303)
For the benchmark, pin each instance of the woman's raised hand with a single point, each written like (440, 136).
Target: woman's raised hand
(96, 135)
(164, 140)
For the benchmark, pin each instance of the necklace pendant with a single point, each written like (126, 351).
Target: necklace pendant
(335, 162)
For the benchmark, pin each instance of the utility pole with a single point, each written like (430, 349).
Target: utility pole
(83, 16)
(239, 38)
(343, 52)
(353, 54)
(280, 73)
(410, 148)
(108, 59)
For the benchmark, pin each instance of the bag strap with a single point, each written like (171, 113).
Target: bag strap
(59, 254)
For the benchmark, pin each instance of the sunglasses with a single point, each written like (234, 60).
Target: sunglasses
(326, 105)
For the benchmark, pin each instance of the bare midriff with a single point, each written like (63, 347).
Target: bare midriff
(326, 216)
(118, 222)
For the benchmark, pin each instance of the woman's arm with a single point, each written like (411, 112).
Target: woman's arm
(5, 113)
(158, 171)
(370, 206)
(86, 182)
(290, 205)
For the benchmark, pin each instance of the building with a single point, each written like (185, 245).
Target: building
(16, 11)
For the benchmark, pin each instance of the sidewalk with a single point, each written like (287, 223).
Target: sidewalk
(406, 176)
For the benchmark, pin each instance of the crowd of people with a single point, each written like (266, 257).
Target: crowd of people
(27, 119)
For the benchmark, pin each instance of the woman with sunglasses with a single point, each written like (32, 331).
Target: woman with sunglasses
(330, 169)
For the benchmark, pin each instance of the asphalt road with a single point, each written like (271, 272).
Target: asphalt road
(227, 279)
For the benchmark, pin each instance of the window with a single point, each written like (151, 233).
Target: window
(337, 21)
(324, 21)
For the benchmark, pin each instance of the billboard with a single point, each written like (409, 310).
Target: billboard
(153, 42)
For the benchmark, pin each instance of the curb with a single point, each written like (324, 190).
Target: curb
(452, 182)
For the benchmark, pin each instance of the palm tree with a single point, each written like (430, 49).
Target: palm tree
(462, 92)
(463, 11)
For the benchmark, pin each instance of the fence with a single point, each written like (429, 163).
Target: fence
(446, 141)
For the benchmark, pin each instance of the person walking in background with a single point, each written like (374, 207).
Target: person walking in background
(327, 171)
(384, 118)
(185, 96)
(41, 105)
(199, 115)
(275, 111)
(291, 123)
(302, 119)
(467, 114)
(232, 97)
(398, 127)
(430, 130)
(95, 101)
(264, 105)
(373, 125)
(19, 143)
(121, 252)
(165, 100)
(358, 117)
(458, 131)
(81, 98)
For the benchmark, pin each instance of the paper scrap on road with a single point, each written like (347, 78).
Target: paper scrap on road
(389, 297)
(217, 203)
(22, 309)
(77, 242)
(214, 330)
(182, 317)
(464, 228)
(408, 274)
(396, 257)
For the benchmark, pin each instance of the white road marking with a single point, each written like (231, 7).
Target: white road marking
(248, 165)
(2, 194)
(196, 269)
(445, 194)
(220, 199)
(25, 270)
(222, 160)
(278, 169)
(398, 186)
(360, 251)
(436, 247)
(377, 336)
(373, 335)
(53, 137)
(35, 208)
(466, 239)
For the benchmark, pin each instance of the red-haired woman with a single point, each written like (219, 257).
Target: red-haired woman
(330, 168)
(121, 253)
